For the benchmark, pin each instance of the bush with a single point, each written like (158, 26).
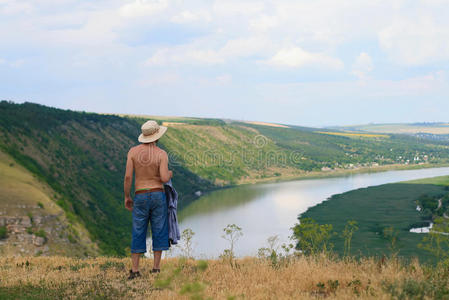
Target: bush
(3, 232)
(41, 233)
(313, 238)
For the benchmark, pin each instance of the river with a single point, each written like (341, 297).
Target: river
(264, 210)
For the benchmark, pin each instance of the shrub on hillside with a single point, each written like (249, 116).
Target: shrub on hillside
(3, 232)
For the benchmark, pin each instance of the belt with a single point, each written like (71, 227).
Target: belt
(149, 190)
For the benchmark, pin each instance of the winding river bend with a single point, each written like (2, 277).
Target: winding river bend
(264, 210)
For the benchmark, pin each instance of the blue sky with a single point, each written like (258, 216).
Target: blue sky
(312, 63)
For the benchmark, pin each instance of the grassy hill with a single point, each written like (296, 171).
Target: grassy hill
(35, 223)
(235, 152)
(378, 208)
(81, 156)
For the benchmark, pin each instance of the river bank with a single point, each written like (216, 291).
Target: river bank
(337, 173)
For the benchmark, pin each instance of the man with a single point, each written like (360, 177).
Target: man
(150, 165)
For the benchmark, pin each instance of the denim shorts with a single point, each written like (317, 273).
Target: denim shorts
(152, 207)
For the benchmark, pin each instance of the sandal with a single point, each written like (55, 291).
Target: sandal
(133, 275)
(155, 271)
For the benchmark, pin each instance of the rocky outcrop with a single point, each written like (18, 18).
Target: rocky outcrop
(33, 235)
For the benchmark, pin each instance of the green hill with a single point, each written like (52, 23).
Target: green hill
(381, 207)
(35, 224)
(81, 156)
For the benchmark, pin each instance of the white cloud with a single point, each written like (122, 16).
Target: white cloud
(246, 46)
(11, 7)
(143, 8)
(415, 42)
(188, 16)
(263, 23)
(224, 79)
(198, 53)
(184, 55)
(237, 7)
(160, 79)
(362, 66)
(296, 57)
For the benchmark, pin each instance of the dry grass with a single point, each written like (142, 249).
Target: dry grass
(252, 278)
(349, 134)
(173, 124)
(267, 124)
(405, 128)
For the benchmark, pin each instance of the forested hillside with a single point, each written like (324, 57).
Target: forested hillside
(81, 156)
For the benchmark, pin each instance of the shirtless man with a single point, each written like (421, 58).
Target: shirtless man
(150, 165)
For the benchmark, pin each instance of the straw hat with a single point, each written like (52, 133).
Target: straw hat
(151, 131)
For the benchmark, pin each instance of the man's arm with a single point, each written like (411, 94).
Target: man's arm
(164, 173)
(128, 181)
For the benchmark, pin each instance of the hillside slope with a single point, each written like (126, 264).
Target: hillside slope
(33, 222)
(82, 158)
(234, 152)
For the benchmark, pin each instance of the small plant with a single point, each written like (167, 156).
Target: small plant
(391, 235)
(29, 230)
(333, 285)
(30, 215)
(3, 232)
(277, 257)
(350, 228)
(202, 265)
(356, 285)
(187, 236)
(194, 289)
(118, 266)
(78, 267)
(232, 233)
(71, 239)
(40, 204)
(437, 240)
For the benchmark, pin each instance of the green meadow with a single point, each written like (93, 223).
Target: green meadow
(384, 214)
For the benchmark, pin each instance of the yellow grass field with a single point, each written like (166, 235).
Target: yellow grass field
(267, 124)
(405, 128)
(350, 134)
(173, 123)
(251, 278)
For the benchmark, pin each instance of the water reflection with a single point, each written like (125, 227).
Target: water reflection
(220, 200)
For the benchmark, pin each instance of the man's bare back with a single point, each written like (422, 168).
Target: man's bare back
(150, 164)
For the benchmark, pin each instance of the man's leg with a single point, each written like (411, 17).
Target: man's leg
(157, 259)
(135, 257)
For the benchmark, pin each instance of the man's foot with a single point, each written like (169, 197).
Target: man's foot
(155, 271)
(133, 275)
